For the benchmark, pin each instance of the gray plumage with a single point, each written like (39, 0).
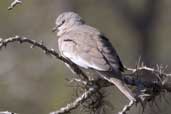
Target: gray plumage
(89, 49)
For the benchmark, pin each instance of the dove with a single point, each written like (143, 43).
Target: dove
(88, 48)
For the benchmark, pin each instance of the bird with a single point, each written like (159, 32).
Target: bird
(89, 48)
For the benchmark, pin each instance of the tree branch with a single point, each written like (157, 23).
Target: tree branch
(33, 43)
(76, 103)
(147, 89)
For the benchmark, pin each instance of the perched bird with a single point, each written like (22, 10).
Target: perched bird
(88, 48)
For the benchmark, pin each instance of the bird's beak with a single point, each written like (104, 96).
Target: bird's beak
(54, 29)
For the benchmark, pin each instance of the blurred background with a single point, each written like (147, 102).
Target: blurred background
(34, 83)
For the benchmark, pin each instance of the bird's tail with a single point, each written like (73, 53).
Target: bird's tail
(120, 85)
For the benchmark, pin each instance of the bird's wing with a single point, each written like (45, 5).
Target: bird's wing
(109, 52)
(82, 49)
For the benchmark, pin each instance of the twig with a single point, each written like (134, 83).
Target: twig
(7, 112)
(147, 69)
(76, 103)
(78, 80)
(14, 3)
(33, 43)
(126, 108)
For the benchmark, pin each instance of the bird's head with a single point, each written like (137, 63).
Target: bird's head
(66, 21)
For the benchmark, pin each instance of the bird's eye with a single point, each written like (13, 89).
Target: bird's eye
(61, 23)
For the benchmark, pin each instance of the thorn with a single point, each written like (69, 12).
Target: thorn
(17, 36)
(1, 40)
(32, 46)
(139, 62)
(52, 49)
(145, 95)
(46, 52)
(165, 68)
(41, 42)
(24, 38)
(5, 44)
